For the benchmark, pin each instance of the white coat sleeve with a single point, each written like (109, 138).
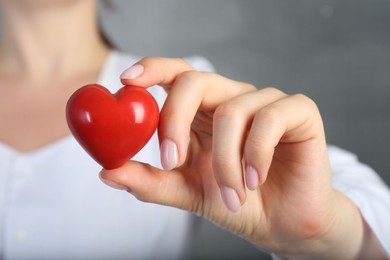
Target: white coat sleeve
(366, 189)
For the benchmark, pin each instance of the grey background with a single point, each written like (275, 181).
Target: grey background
(336, 52)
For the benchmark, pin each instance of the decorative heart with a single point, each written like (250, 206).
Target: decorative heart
(112, 128)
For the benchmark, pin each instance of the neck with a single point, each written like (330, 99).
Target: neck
(53, 42)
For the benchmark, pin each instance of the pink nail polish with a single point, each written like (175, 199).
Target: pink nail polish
(133, 72)
(251, 177)
(169, 154)
(230, 199)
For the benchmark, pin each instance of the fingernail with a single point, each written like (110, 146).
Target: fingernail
(112, 184)
(133, 72)
(252, 177)
(230, 199)
(169, 154)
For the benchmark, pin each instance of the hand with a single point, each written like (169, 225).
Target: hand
(252, 161)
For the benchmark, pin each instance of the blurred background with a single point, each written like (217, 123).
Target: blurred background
(336, 52)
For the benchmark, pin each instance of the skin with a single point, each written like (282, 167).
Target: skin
(289, 207)
(42, 62)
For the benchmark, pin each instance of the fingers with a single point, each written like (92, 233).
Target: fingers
(292, 120)
(232, 122)
(149, 184)
(257, 123)
(248, 125)
(152, 71)
(189, 92)
(164, 72)
(192, 92)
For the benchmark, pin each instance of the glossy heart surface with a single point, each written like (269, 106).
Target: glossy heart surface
(112, 128)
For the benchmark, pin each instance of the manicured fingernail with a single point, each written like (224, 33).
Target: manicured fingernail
(112, 184)
(169, 154)
(133, 72)
(230, 199)
(252, 177)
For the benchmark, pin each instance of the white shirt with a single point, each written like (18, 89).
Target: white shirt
(366, 189)
(53, 205)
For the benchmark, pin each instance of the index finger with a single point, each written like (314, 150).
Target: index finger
(188, 88)
(152, 71)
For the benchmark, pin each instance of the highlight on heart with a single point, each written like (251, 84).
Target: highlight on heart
(112, 128)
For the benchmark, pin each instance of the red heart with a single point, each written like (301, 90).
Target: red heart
(112, 128)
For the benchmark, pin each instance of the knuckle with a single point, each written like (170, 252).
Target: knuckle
(275, 91)
(222, 165)
(190, 76)
(219, 161)
(229, 112)
(169, 115)
(269, 115)
(305, 99)
(256, 145)
(249, 86)
(183, 62)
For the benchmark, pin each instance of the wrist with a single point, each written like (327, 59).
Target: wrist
(345, 238)
(352, 237)
(342, 238)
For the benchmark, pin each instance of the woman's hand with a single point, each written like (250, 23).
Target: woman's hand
(252, 161)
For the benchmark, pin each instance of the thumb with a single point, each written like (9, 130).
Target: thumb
(150, 184)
